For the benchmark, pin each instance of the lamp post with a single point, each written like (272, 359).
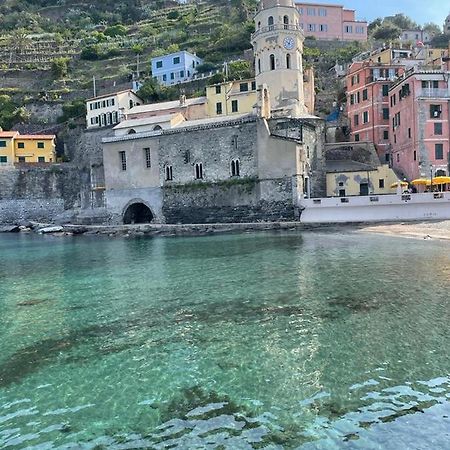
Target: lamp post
(431, 177)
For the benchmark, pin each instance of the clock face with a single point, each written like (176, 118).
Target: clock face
(289, 43)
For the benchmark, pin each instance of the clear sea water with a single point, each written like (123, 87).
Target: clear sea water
(313, 340)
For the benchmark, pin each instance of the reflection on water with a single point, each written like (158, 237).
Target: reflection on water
(276, 340)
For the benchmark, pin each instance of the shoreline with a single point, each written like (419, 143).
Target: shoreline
(435, 230)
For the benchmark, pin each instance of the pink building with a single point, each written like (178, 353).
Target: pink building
(420, 126)
(331, 22)
(368, 86)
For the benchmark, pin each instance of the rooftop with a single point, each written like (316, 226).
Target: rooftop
(146, 121)
(166, 105)
(112, 94)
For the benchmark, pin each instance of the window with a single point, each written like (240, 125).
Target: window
(387, 157)
(348, 29)
(359, 30)
(176, 60)
(218, 89)
(311, 27)
(365, 116)
(385, 113)
(22, 144)
(341, 192)
(322, 12)
(311, 11)
(435, 111)
(199, 171)
(181, 73)
(164, 77)
(438, 151)
(253, 85)
(147, 157)
(357, 137)
(113, 102)
(259, 66)
(398, 157)
(243, 87)
(3, 159)
(270, 22)
(356, 120)
(172, 75)
(323, 28)
(381, 183)
(358, 97)
(21, 159)
(123, 160)
(365, 94)
(169, 173)
(409, 133)
(341, 184)
(286, 22)
(385, 90)
(234, 106)
(272, 62)
(415, 155)
(104, 104)
(41, 159)
(385, 135)
(219, 108)
(2, 143)
(288, 61)
(40, 145)
(235, 168)
(159, 64)
(438, 128)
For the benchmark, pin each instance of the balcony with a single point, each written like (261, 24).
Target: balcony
(278, 27)
(433, 93)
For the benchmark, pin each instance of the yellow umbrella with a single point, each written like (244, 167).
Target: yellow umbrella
(441, 180)
(402, 183)
(420, 182)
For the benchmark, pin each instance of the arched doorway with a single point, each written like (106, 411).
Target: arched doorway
(137, 213)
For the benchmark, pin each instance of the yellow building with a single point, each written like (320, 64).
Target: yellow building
(348, 178)
(26, 148)
(231, 97)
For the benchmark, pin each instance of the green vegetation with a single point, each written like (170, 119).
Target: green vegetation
(73, 110)
(11, 113)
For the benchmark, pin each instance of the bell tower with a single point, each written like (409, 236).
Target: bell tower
(278, 49)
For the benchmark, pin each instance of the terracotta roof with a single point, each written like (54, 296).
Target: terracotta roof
(36, 136)
(8, 134)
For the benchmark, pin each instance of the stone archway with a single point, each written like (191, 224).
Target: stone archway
(137, 212)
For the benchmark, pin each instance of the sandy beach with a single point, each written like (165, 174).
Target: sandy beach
(417, 230)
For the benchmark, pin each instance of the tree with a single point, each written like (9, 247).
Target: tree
(150, 90)
(116, 30)
(207, 66)
(441, 41)
(374, 25)
(387, 32)
(239, 70)
(60, 67)
(432, 28)
(401, 21)
(10, 113)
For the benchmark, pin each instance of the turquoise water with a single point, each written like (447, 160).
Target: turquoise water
(271, 340)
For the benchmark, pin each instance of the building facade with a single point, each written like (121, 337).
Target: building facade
(368, 112)
(175, 68)
(230, 167)
(231, 97)
(20, 148)
(331, 22)
(416, 36)
(110, 109)
(419, 124)
(446, 27)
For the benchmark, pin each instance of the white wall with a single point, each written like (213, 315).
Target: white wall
(376, 208)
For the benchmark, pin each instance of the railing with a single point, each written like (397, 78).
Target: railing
(270, 28)
(433, 93)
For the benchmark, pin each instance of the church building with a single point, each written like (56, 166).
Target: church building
(237, 168)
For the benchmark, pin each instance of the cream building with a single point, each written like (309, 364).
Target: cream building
(109, 109)
(278, 48)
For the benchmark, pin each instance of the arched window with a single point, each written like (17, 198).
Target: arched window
(259, 66)
(259, 25)
(286, 22)
(157, 127)
(235, 172)
(199, 171)
(132, 131)
(272, 62)
(288, 61)
(169, 173)
(270, 22)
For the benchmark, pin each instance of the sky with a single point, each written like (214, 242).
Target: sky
(421, 11)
